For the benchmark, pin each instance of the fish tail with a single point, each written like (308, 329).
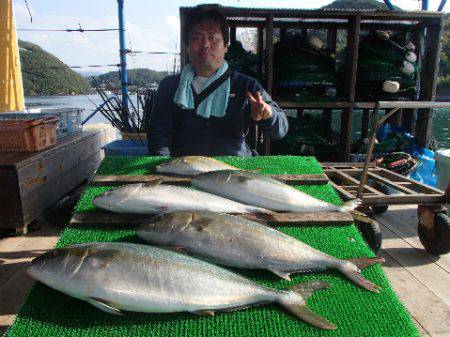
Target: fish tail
(351, 205)
(294, 299)
(352, 269)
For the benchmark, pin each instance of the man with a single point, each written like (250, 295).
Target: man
(208, 109)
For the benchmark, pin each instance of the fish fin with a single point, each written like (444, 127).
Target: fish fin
(281, 274)
(201, 224)
(104, 306)
(351, 270)
(351, 205)
(311, 317)
(209, 313)
(364, 262)
(257, 170)
(297, 305)
(155, 182)
(307, 288)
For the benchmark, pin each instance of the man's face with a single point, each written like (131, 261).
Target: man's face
(206, 47)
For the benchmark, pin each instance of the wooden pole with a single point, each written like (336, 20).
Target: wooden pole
(269, 68)
(232, 34)
(433, 43)
(351, 68)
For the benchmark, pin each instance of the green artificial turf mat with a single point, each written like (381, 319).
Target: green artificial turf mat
(355, 311)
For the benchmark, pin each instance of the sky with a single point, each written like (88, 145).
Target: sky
(150, 26)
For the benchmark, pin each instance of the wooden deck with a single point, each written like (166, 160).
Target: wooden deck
(421, 281)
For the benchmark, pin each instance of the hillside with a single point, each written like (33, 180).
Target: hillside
(136, 77)
(45, 74)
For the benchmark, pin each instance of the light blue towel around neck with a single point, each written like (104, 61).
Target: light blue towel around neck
(215, 104)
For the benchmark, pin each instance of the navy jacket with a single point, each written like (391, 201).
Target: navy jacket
(174, 131)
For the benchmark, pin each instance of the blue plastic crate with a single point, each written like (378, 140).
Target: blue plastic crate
(127, 148)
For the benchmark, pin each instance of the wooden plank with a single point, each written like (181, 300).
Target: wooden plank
(363, 105)
(429, 274)
(402, 199)
(346, 178)
(341, 165)
(17, 160)
(111, 180)
(316, 218)
(429, 312)
(310, 24)
(405, 227)
(417, 186)
(43, 170)
(15, 251)
(11, 209)
(35, 203)
(330, 14)
(389, 183)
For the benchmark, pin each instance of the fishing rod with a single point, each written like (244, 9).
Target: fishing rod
(111, 111)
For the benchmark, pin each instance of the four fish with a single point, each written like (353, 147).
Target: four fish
(237, 242)
(131, 277)
(125, 276)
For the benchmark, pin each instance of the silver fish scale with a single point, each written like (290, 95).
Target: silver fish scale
(259, 190)
(234, 241)
(150, 279)
(138, 198)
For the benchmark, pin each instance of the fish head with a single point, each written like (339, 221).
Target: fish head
(112, 199)
(175, 165)
(165, 228)
(56, 265)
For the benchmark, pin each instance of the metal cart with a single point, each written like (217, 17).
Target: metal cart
(351, 181)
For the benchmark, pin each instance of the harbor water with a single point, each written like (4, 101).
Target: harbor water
(440, 124)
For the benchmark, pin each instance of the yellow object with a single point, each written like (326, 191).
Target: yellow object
(11, 88)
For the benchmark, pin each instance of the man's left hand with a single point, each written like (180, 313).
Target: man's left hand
(259, 110)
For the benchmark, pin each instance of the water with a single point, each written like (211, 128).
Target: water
(440, 123)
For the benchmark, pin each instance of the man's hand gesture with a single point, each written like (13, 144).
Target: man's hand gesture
(259, 110)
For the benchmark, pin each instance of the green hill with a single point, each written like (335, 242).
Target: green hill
(140, 77)
(45, 74)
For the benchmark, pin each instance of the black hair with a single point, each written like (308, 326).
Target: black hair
(201, 13)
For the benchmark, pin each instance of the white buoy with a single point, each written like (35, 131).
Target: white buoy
(411, 56)
(407, 68)
(410, 46)
(383, 35)
(316, 43)
(331, 92)
(391, 86)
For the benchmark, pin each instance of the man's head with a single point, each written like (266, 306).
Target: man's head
(207, 36)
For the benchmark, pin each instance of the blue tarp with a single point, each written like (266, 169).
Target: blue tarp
(425, 172)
